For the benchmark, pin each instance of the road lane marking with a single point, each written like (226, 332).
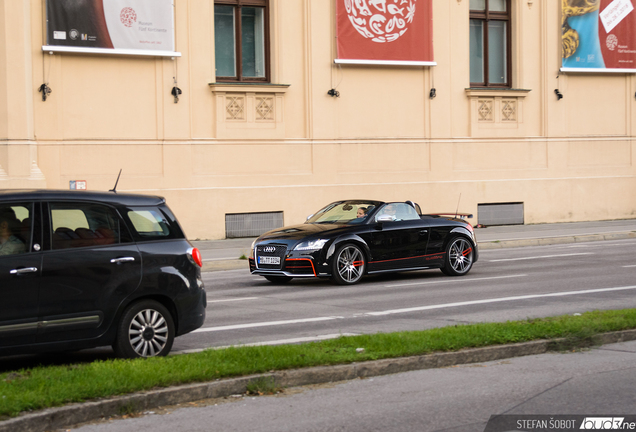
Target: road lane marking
(265, 324)
(221, 259)
(232, 299)
(454, 280)
(541, 257)
(275, 342)
(628, 266)
(497, 300)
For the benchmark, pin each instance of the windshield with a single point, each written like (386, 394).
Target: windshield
(344, 212)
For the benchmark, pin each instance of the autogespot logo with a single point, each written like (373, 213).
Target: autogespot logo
(605, 423)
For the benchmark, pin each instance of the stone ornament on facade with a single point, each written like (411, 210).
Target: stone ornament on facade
(235, 107)
(264, 108)
(381, 20)
(509, 110)
(485, 110)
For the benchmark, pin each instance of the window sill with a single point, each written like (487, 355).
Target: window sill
(226, 87)
(496, 92)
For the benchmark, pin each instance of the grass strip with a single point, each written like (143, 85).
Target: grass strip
(44, 387)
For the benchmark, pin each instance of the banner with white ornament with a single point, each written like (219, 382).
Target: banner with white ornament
(137, 27)
(385, 32)
(598, 36)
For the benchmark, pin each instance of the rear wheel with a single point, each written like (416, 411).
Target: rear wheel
(459, 257)
(146, 329)
(348, 265)
(278, 279)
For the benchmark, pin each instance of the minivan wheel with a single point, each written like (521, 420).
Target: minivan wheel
(146, 329)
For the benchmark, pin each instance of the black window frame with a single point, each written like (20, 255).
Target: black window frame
(486, 16)
(238, 5)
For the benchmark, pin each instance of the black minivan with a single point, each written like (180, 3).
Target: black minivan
(85, 269)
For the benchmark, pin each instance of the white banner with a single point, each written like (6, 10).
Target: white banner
(120, 26)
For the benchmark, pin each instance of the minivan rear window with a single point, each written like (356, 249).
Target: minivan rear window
(151, 223)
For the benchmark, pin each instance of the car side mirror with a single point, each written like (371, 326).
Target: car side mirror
(385, 218)
(308, 217)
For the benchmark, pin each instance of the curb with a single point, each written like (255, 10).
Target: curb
(236, 264)
(501, 244)
(69, 415)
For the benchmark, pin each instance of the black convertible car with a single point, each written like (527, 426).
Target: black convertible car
(348, 239)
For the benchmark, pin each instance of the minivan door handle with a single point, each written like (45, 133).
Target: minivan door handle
(122, 260)
(23, 270)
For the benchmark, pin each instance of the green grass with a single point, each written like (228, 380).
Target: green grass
(42, 387)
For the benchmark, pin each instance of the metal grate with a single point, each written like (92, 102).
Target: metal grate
(251, 224)
(500, 214)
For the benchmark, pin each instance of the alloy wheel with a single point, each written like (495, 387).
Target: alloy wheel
(350, 264)
(460, 255)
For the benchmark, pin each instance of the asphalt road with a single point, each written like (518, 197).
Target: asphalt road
(505, 284)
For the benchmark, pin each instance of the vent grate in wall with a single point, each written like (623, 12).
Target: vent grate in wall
(251, 224)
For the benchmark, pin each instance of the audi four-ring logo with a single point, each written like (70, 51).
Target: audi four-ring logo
(269, 249)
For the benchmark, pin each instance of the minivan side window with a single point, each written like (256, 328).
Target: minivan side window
(16, 228)
(85, 225)
(153, 223)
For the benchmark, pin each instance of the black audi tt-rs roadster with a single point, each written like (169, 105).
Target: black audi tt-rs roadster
(348, 239)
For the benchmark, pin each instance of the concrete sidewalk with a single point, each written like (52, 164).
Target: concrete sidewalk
(224, 254)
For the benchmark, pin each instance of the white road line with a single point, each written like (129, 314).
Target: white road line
(265, 324)
(541, 257)
(232, 300)
(220, 259)
(454, 280)
(275, 342)
(629, 266)
(497, 300)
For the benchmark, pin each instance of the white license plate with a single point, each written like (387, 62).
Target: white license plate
(269, 260)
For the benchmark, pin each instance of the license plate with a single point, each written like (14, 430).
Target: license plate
(269, 260)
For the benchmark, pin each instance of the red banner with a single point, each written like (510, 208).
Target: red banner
(385, 31)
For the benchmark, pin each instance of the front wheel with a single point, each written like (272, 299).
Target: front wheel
(348, 265)
(146, 329)
(459, 257)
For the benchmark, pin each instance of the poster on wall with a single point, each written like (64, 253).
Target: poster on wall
(598, 36)
(140, 27)
(398, 32)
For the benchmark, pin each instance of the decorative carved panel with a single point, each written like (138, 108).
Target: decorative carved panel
(508, 110)
(235, 107)
(485, 110)
(264, 108)
(249, 111)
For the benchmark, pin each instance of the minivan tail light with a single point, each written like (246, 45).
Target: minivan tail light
(195, 256)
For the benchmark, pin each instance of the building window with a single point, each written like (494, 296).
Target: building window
(241, 46)
(490, 43)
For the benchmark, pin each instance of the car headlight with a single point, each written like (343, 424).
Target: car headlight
(252, 249)
(311, 245)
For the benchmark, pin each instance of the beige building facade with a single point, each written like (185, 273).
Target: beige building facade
(287, 146)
